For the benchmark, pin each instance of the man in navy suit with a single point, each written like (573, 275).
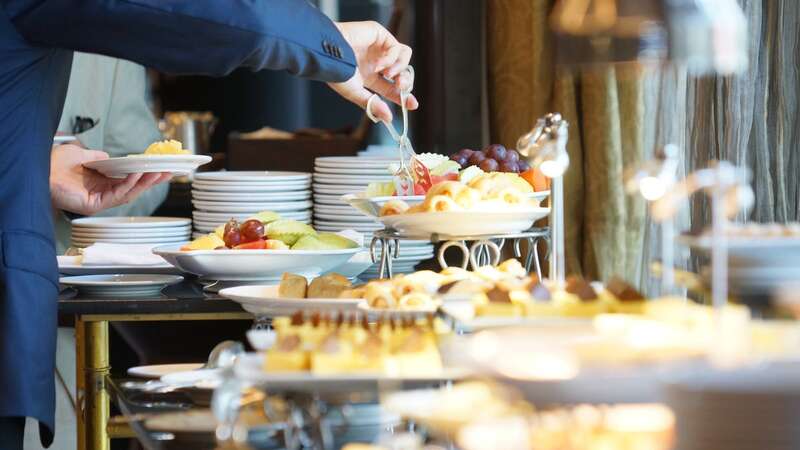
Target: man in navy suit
(177, 36)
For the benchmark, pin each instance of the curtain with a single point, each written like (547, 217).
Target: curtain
(620, 114)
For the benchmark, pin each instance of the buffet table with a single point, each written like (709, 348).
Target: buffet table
(185, 301)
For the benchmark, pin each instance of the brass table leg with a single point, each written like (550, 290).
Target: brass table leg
(93, 400)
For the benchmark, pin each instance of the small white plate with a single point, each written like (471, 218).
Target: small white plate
(221, 218)
(70, 265)
(126, 165)
(121, 285)
(257, 176)
(340, 217)
(362, 225)
(243, 188)
(465, 223)
(323, 170)
(251, 197)
(350, 179)
(145, 240)
(131, 222)
(192, 376)
(116, 233)
(160, 370)
(251, 207)
(254, 265)
(264, 300)
(354, 161)
(337, 189)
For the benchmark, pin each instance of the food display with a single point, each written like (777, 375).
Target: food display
(494, 159)
(340, 345)
(268, 231)
(166, 147)
(485, 415)
(487, 192)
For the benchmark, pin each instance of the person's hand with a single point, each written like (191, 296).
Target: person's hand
(381, 60)
(80, 190)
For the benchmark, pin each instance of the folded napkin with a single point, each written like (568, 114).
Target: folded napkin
(102, 254)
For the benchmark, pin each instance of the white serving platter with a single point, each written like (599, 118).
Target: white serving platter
(465, 223)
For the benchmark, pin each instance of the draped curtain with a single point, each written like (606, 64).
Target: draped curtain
(619, 115)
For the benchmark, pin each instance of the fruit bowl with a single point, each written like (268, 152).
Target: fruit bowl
(253, 265)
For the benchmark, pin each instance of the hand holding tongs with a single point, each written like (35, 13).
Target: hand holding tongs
(404, 179)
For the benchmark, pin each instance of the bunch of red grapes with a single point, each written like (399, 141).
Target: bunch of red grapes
(493, 158)
(235, 235)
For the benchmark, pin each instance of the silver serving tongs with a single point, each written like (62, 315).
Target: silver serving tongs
(403, 177)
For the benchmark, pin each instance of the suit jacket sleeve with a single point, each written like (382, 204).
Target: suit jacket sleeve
(210, 37)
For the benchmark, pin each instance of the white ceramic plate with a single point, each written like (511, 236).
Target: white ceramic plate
(251, 207)
(371, 225)
(350, 179)
(332, 200)
(70, 265)
(254, 265)
(121, 167)
(131, 222)
(220, 218)
(465, 223)
(160, 370)
(88, 242)
(354, 161)
(121, 285)
(325, 170)
(133, 234)
(256, 176)
(341, 217)
(264, 300)
(251, 197)
(337, 189)
(243, 188)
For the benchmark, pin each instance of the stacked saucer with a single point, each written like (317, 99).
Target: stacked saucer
(130, 230)
(220, 196)
(338, 175)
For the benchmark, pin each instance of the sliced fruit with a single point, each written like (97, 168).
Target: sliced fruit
(536, 179)
(445, 167)
(336, 241)
(274, 244)
(288, 231)
(220, 231)
(260, 244)
(309, 243)
(267, 216)
(380, 189)
(207, 242)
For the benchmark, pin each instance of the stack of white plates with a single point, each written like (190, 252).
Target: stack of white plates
(338, 175)
(220, 196)
(130, 230)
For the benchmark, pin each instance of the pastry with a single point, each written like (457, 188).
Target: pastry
(292, 286)
(393, 207)
(167, 147)
(287, 355)
(328, 286)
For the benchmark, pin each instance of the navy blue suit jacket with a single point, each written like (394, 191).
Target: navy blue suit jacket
(36, 40)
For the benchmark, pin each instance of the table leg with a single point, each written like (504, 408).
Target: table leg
(94, 408)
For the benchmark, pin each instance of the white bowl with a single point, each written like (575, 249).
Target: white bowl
(253, 265)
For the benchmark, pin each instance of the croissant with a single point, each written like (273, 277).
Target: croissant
(393, 207)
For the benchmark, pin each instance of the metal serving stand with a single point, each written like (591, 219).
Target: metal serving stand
(476, 251)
